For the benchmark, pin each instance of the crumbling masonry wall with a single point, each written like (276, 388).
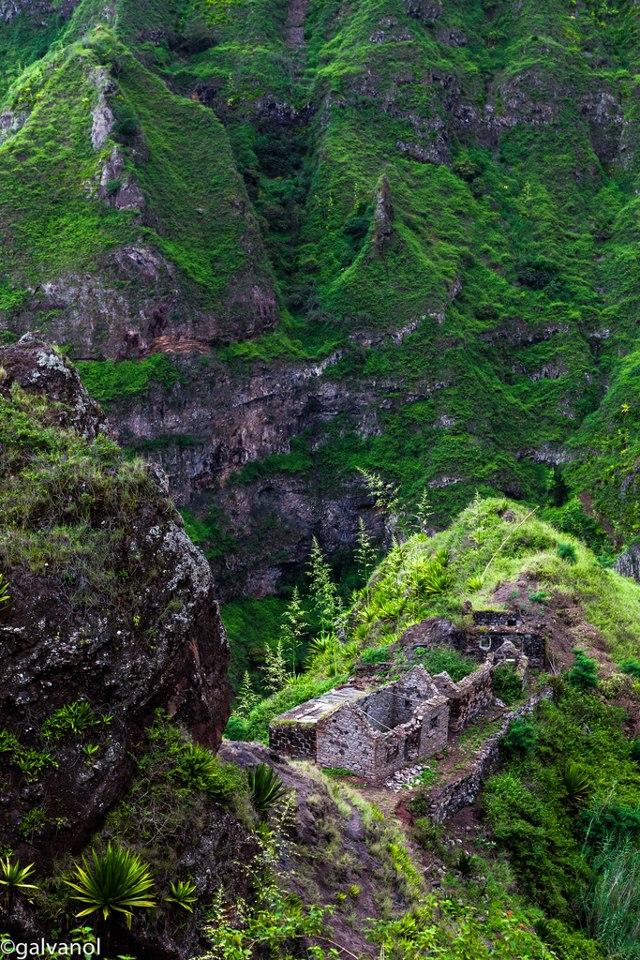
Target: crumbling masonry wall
(468, 698)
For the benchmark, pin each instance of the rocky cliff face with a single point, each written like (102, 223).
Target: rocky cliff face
(110, 612)
(398, 238)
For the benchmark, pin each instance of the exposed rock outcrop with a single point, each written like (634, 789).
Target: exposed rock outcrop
(110, 607)
(628, 563)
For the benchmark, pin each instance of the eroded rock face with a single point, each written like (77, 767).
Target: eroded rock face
(628, 563)
(124, 626)
(9, 9)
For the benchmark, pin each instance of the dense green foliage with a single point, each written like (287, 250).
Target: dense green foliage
(572, 790)
(110, 380)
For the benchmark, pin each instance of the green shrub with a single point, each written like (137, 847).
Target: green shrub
(567, 551)
(182, 893)
(453, 930)
(73, 718)
(568, 944)
(631, 667)
(507, 685)
(429, 835)
(634, 752)
(33, 823)
(541, 848)
(432, 578)
(539, 596)
(125, 121)
(584, 672)
(577, 784)
(611, 822)
(14, 879)
(198, 769)
(375, 655)
(236, 728)
(441, 659)
(520, 738)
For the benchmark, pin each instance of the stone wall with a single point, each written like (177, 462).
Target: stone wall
(493, 627)
(465, 789)
(422, 736)
(380, 708)
(388, 729)
(489, 631)
(396, 703)
(468, 698)
(293, 739)
(346, 739)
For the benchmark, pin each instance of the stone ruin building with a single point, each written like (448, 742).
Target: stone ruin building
(374, 733)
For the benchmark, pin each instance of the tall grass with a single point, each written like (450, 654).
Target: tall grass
(612, 907)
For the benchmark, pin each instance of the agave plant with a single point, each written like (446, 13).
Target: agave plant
(265, 787)
(577, 784)
(14, 879)
(183, 894)
(4, 590)
(196, 766)
(432, 579)
(113, 880)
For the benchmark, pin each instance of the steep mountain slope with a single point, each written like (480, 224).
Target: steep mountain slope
(290, 240)
(114, 693)
(107, 609)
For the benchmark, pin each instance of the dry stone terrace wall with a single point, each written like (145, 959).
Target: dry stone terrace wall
(465, 788)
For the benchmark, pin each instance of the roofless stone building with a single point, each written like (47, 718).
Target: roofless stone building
(376, 732)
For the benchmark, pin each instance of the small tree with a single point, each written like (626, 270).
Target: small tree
(275, 668)
(293, 629)
(584, 672)
(246, 698)
(423, 511)
(326, 603)
(365, 554)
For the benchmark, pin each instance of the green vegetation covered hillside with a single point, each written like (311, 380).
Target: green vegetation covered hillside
(362, 277)
(557, 825)
(398, 232)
